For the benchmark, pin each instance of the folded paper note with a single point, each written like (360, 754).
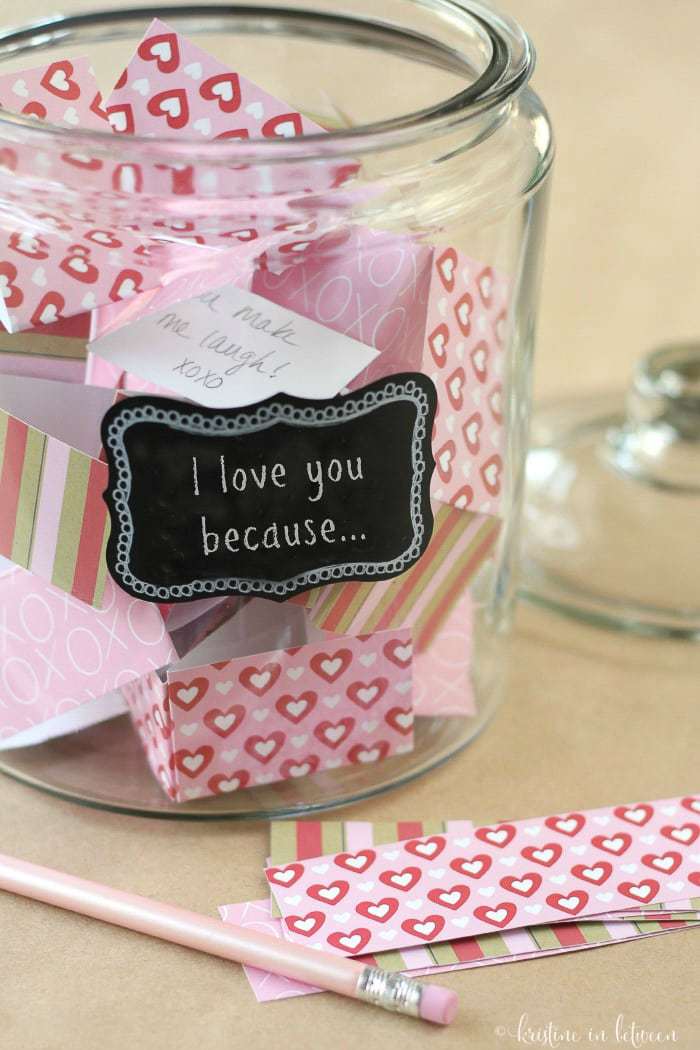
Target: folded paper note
(271, 500)
(502, 877)
(462, 954)
(229, 348)
(277, 715)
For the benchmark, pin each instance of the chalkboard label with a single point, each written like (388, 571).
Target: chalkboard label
(272, 499)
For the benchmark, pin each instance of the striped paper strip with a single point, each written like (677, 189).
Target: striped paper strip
(421, 597)
(304, 839)
(53, 520)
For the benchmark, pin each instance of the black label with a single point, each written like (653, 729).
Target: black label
(272, 499)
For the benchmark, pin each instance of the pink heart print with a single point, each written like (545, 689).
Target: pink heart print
(64, 92)
(171, 85)
(280, 715)
(504, 876)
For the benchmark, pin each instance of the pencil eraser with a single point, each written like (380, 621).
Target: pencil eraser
(437, 1004)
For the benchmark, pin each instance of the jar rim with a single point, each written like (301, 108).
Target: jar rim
(506, 71)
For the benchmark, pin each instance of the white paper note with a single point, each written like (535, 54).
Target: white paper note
(230, 348)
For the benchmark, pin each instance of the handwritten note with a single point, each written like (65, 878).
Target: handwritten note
(230, 348)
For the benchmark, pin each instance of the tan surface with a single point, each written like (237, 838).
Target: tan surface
(590, 718)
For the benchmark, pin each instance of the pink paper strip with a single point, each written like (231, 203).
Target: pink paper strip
(504, 876)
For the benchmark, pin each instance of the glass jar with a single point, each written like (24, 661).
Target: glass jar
(413, 222)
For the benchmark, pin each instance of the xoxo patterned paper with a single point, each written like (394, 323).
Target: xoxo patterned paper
(57, 653)
(284, 714)
(502, 877)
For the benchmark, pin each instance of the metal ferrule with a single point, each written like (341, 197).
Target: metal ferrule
(391, 991)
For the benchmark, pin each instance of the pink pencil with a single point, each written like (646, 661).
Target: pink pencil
(392, 991)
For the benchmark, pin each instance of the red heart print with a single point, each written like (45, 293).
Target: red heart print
(453, 898)
(97, 108)
(295, 767)
(285, 876)
(463, 498)
(188, 694)
(129, 178)
(644, 890)
(332, 734)
(597, 873)
(286, 125)
(172, 105)
(475, 866)
(399, 652)
(8, 158)
(366, 694)
(694, 877)
(223, 723)
(428, 848)
(163, 50)
(667, 862)
(525, 885)
(498, 915)
(437, 341)
(306, 925)
(221, 664)
(491, 474)
(380, 911)
(259, 680)
(496, 402)
(569, 825)
(351, 942)
(192, 763)
(235, 133)
(57, 80)
(11, 293)
(455, 387)
(82, 161)
(471, 431)
(446, 266)
(224, 89)
(572, 903)
(121, 119)
(484, 283)
(463, 313)
(264, 748)
(364, 754)
(686, 834)
(34, 247)
(691, 803)
(126, 284)
(35, 109)
(443, 460)
(225, 783)
(400, 719)
(330, 666)
(616, 844)
(296, 708)
(104, 237)
(427, 929)
(47, 310)
(638, 815)
(479, 357)
(330, 894)
(357, 862)
(498, 836)
(76, 265)
(403, 880)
